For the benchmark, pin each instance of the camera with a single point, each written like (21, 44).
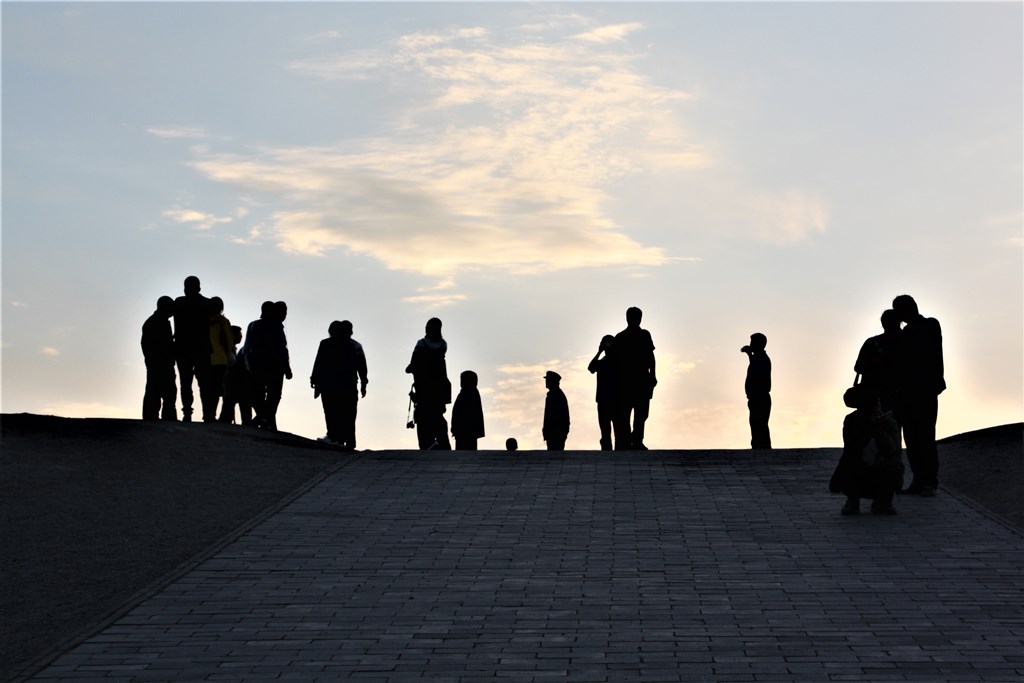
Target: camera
(410, 425)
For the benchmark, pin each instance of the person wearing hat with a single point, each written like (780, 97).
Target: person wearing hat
(556, 413)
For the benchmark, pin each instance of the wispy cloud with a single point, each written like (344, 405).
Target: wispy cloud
(505, 158)
(198, 219)
(50, 351)
(178, 132)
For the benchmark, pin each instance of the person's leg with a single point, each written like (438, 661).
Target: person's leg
(328, 401)
(760, 409)
(556, 444)
(348, 404)
(275, 384)
(151, 397)
(186, 372)
(605, 417)
(641, 409)
(623, 433)
(919, 416)
(168, 392)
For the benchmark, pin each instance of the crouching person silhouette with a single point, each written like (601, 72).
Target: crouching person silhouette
(158, 351)
(432, 391)
(870, 466)
(467, 414)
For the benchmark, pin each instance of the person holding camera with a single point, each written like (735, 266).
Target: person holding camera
(432, 391)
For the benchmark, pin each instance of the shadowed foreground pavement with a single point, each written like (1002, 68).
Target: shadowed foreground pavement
(585, 567)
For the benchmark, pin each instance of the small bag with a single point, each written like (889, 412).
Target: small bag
(856, 396)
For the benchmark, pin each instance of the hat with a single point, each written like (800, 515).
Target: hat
(553, 375)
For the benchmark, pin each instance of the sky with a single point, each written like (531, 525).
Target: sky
(525, 172)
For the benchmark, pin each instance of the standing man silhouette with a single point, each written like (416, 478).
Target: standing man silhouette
(919, 382)
(758, 388)
(634, 360)
(158, 350)
(266, 358)
(340, 362)
(556, 413)
(192, 346)
(432, 390)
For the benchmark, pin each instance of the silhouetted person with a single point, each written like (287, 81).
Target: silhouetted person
(192, 344)
(222, 354)
(607, 396)
(870, 466)
(237, 384)
(878, 361)
(556, 413)
(634, 360)
(919, 382)
(758, 386)
(266, 357)
(158, 350)
(511, 444)
(467, 414)
(340, 364)
(432, 391)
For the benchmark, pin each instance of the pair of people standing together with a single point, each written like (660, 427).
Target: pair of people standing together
(626, 377)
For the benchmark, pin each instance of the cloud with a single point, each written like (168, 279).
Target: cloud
(198, 219)
(607, 34)
(504, 157)
(178, 132)
(49, 351)
(434, 301)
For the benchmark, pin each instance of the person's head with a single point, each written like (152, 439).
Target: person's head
(192, 285)
(165, 306)
(236, 334)
(758, 341)
(890, 320)
(905, 307)
(552, 379)
(633, 316)
(340, 329)
(267, 310)
(280, 311)
(607, 341)
(511, 444)
(468, 379)
(433, 329)
(216, 305)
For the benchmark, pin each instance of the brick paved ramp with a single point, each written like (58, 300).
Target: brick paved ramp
(670, 566)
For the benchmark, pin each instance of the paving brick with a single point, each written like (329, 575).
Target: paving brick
(584, 567)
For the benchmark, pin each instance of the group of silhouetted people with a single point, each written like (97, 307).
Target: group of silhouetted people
(899, 376)
(204, 348)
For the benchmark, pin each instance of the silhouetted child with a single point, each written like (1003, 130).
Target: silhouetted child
(237, 385)
(467, 414)
(158, 350)
(222, 354)
(607, 390)
(556, 413)
(511, 444)
(758, 387)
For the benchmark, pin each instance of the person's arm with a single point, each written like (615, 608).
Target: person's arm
(594, 364)
(361, 370)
